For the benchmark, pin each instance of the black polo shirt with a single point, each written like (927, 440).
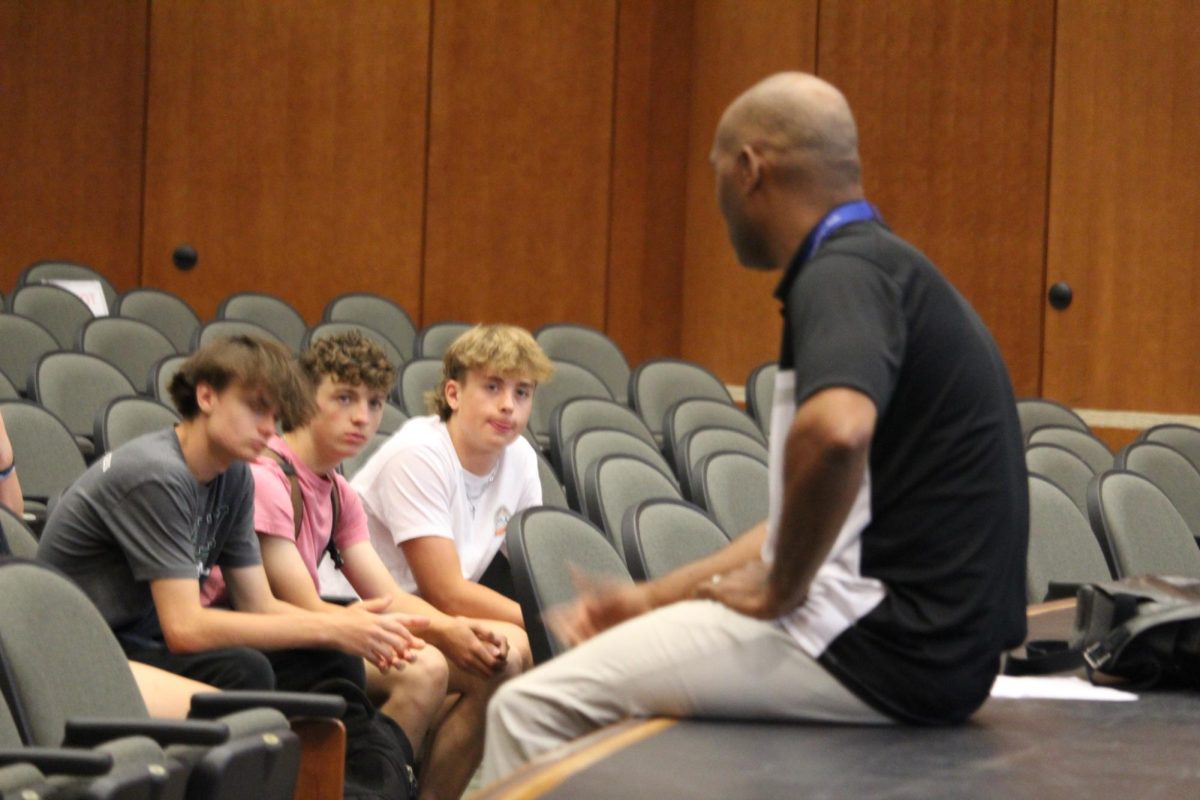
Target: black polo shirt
(926, 585)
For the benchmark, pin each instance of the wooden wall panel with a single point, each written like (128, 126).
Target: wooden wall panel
(520, 145)
(72, 98)
(286, 142)
(730, 320)
(953, 106)
(1124, 206)
(649, 189)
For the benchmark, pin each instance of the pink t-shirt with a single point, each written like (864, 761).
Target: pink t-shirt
(273, 513)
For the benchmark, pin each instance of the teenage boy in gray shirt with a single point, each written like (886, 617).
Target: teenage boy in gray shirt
(141, 529)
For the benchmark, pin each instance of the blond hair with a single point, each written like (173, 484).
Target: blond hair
(499, 349)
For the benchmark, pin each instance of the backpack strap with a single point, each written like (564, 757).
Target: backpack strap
(298, 506)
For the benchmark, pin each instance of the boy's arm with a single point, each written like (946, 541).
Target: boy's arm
(436, 568)
(270, 624)
(289, 578)
(10, 487)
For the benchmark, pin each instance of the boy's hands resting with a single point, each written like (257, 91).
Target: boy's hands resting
(387, 640)
(470, 645)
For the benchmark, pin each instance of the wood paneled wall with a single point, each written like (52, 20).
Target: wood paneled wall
(286, 143)
(520, 148)
(1125, 206)
(730, 320)
(545, 160)
(72, 112)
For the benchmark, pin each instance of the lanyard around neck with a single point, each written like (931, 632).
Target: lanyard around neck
(855, 211)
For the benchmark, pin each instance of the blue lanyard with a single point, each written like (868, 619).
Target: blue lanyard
(855, 211)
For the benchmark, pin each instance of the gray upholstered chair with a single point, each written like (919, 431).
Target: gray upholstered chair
(733, 488)
(167, 313)
(433, 340)
(131, 346)
(703, 442)
(1081, 443)
(660, 383)
(271, 312)
(1144, 531)
(661, 535)
(553, 493)
(25, 341)
(584, 413)
(760, 394)
(47, 456)
(590, 446)
(1063, 550)
(1169, 470)
(76, 386)
(568, 382)
(614, 484)
(1184, 438)
(55, 309)
(47, 624)
(1034, 412)
(123, 419)
(49, 270)
(1064, 469)
(414, 381)
(376, 312)
(589, 348)
(693, 413)
(544, 544)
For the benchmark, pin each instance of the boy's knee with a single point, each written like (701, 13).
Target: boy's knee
(429, 675)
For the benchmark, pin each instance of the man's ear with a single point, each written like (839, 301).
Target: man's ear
(749, 168)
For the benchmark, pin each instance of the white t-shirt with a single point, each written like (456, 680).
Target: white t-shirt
(415, 486)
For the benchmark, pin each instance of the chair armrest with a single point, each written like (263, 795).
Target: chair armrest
(212, 705)
(59, 761)
(91, 732)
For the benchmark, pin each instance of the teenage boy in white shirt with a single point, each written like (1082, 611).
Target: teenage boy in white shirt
(440, 492)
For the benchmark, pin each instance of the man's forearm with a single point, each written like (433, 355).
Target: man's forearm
(821, 478)
(680, 584)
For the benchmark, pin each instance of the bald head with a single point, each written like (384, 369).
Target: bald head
(802, 126)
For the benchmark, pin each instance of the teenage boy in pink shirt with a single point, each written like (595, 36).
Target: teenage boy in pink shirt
(443, 694)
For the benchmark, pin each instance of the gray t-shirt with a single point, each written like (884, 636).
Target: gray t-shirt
(137, 515)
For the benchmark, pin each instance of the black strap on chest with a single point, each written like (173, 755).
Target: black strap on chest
(298, 506)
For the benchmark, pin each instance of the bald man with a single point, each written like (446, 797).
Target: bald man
(889, 576)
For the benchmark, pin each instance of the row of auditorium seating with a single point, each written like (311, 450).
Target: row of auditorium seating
(1095, 515)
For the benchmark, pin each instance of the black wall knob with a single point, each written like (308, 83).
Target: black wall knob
(185, 257)
(1060, 295)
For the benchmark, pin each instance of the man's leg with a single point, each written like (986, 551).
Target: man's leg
(225, 668)
(695, 658)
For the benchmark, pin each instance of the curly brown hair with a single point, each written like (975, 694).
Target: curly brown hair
(255, 364)
(348, 357)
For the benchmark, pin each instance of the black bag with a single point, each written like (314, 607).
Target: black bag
(379, 756)
(1144, 631)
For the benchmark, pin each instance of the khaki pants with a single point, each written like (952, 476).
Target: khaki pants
(695, 658)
